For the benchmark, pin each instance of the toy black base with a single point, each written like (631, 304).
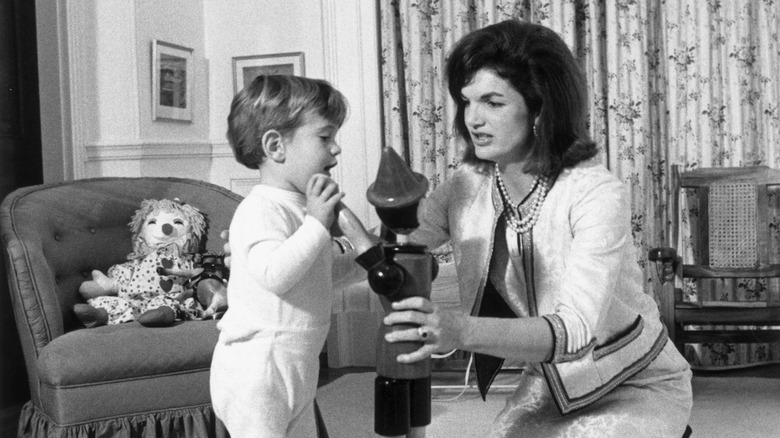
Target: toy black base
(400, 404)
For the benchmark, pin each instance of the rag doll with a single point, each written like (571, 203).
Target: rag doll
(207, 284)
(166, 235)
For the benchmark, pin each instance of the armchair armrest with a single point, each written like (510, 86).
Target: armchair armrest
(669, 262)
(661, 254)
(669, 266)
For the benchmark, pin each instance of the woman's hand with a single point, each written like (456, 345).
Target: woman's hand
(438, 330)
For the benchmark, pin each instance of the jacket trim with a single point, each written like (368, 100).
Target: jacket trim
(498, 209)
(486, 364)
(559, 337)
(621, 341)
(566, 404)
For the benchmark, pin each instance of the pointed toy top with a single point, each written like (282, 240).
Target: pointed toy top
(395, 185)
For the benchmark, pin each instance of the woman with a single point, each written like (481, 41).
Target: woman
(544, 254)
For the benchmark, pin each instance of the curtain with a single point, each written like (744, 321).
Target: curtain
(688, 82)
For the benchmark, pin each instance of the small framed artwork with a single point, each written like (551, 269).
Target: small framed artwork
(171, 82)
(247, 68)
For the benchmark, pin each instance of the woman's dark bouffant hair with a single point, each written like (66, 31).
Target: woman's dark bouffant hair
(540, 66)
(278, 102)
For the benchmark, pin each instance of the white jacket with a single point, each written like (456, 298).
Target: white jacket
(582, 257)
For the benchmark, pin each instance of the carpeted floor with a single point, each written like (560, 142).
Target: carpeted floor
(723, 407)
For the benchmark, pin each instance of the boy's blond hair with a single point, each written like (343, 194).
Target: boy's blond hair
(278, 102)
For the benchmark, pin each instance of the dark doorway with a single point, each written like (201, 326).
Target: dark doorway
(20, 165)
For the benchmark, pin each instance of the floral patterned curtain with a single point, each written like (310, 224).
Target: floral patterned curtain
(688, 82)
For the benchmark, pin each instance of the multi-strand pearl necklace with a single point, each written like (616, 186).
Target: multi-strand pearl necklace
(521, 226)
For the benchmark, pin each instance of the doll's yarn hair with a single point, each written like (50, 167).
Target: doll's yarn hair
(153, 206)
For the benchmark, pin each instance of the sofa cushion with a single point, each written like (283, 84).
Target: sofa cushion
(126, 351)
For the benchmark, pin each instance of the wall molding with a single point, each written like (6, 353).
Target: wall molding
(222, 150)
(144, 150)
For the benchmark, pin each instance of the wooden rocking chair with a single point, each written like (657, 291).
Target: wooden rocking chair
(735, 264)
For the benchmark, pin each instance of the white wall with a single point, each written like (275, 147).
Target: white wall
(96, 105)
(121, 138)
(95, 63)
(339, 42)
(251, 27)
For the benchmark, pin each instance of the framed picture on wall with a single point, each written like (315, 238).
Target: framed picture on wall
(246, 68)
(171, 82)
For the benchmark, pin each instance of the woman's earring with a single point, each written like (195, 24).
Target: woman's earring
(535, 131)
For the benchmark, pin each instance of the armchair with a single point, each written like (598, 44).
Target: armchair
(120, 380)
(722, 284)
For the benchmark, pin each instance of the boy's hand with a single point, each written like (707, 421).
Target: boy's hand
(322, 196)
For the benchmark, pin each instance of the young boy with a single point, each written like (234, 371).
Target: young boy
(265, 367)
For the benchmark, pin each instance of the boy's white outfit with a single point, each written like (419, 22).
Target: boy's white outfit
(266, 364)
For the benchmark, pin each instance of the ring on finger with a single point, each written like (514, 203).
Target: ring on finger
(422, 332)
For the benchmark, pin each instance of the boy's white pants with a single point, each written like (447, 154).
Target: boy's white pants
(264, 387)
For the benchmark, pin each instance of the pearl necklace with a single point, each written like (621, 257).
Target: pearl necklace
(521, 226)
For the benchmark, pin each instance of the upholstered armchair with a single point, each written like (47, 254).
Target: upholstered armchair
(120, 380)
